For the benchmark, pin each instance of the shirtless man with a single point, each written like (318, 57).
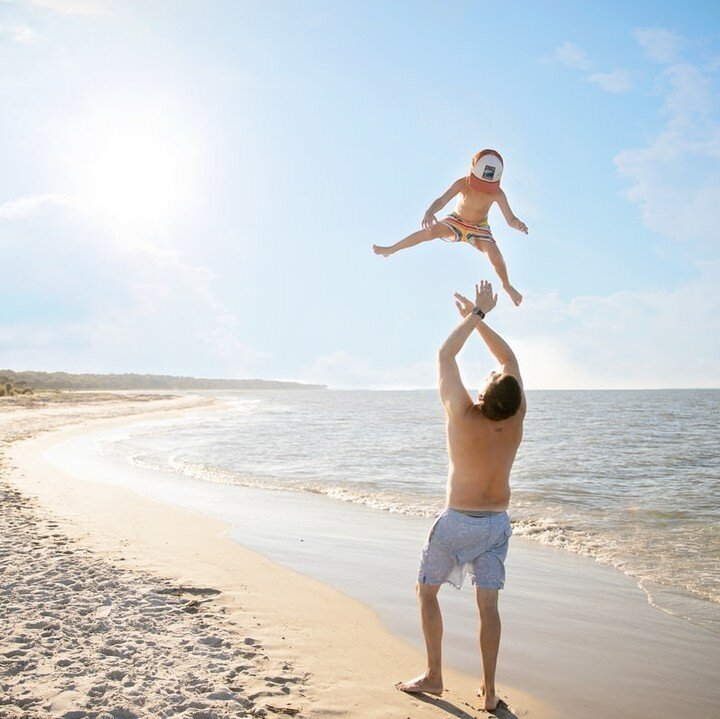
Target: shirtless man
(478, 190)
(473, 531)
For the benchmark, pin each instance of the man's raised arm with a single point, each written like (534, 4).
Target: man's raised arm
(500, 349)
(453, 395)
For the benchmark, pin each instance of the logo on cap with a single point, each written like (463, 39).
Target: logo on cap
(486, 174)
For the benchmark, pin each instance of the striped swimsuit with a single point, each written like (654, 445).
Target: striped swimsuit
(465, 232)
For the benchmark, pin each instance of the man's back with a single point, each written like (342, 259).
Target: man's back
(481, 453)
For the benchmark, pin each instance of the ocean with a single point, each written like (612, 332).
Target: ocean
(629, 478)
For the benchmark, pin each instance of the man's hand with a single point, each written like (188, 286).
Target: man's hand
(518, 225)
(484, 298)
(463, 304)
(429, 220)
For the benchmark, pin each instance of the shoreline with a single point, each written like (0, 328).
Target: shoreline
(573, 628)
(579, 637)
(336, 642)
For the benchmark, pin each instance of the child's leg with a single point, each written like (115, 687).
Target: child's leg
(429, 233)
(498, 262)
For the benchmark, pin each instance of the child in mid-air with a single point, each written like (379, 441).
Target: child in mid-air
(469, 223)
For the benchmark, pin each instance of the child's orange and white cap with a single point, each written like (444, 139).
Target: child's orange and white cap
(486, 174)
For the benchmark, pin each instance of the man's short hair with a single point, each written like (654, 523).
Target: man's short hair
(501, 398)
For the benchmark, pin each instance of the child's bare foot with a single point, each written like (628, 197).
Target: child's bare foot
(384, 251)
(515, 296)
(422, 684)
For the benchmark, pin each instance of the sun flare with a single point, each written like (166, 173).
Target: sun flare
(135, 165)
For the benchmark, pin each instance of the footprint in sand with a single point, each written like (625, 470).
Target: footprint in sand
(13, 653)
(193, 591)
(39, 624)
(98, 690)
(282, 680)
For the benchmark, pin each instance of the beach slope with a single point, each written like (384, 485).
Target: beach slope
(119, 606)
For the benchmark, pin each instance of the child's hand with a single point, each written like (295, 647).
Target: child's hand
(429, 220)
(519, 225)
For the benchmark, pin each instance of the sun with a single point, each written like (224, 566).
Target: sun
(135, 164)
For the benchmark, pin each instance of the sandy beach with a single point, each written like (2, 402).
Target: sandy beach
(134, 593)
(121, 606)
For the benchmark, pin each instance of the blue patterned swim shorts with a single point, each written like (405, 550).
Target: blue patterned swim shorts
(458, 543)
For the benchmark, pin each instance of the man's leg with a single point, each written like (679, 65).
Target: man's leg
(498, 263)
(429, 233)
(487, 601)
(431, 681)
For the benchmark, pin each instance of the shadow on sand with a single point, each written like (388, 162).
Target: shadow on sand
(502, 711)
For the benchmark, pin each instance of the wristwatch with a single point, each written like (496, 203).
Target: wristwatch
(477, 311)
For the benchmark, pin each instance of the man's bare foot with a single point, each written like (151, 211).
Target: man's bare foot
(384, 251)
(515, 296)
(421, 684)
(491, 701)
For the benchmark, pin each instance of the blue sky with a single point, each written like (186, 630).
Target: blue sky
(194, 187)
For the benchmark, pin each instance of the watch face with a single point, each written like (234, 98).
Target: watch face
(477, 311)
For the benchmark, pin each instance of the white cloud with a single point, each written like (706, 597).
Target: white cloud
(654, 338)
(659, 44)
(80, 300)
(617, 81)
(24, 206)
(629, 339)
(657, 338)
(675, 178)
(73, 7)
(19, 33)
(342, 370)
(571, 55)
(663, 337)
(23, 34)
(689, 98)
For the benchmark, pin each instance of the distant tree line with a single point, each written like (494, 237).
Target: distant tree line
(21, 382)
(9, 388)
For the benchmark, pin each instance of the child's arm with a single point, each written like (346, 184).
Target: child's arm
(509, 215)
(429, 220)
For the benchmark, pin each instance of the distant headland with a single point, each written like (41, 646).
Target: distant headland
(65, 381)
